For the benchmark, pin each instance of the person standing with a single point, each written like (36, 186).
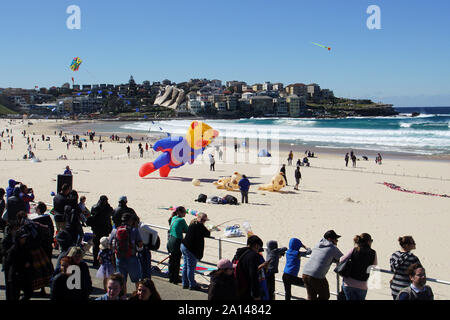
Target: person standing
(244, 186)
(246, 261)
(59, 202)
(417, 290)
(292, 267)
(354, 160)
(121, 210)
(212, 163)
(128, 151)
(362, 257)
(178, 226)
(316, 268)
(68, 171)
(192, 247)
(283, 170)
(220, 154)
(100, 223)
(126, 241)
(346, 159)
(298, 176)
(273, 257)
(223, 285)
(400, 261)
(290, 158)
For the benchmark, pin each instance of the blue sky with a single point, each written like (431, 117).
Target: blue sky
(406, 62)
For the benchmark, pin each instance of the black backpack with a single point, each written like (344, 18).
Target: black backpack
(229, 199)
(202, 197)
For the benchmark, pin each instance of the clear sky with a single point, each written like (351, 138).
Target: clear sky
(406, 62)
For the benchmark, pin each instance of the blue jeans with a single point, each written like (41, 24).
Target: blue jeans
(130, 266)
(189, 264)
(354, 293)
(145, 259)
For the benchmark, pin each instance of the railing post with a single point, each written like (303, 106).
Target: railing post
(220, 248)
(337, 284)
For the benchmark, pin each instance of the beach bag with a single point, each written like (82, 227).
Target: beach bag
(202, 197)
(157, 244)
(344, 268)
(230, 199)
(122, 243)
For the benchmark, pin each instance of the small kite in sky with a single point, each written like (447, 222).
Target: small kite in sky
(75, 65)
(321, 45)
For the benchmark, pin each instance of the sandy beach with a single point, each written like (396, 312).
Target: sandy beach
(331, 196)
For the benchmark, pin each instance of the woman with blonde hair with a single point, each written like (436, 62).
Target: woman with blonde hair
(362, 257)
(400, 261)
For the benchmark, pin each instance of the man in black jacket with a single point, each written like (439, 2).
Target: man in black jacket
(100, 223)
(121, 210)
(192, 248)
(72, 214)
(247, 260)
(59, 202)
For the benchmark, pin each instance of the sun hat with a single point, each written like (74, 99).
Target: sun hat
(224, 264)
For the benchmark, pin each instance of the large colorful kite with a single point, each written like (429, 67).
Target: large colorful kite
(177, 151)
(75, 65)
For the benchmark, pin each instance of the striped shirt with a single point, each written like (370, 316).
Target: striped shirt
(400, 261)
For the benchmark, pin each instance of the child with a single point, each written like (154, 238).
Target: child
(273, 257)
(293, 266)
(106, 260)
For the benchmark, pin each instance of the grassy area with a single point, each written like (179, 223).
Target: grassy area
(5, 110)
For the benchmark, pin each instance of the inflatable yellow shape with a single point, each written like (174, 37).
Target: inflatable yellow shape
(195, 182)
(229, 183)
(200, 135)
(277, 184)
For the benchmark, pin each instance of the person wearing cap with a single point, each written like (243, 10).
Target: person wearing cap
(273, 256)
(100, 223)
(292, 267)
(59, 202)
(121, 210)
(362, 257)
(316, 268)
(247, 263)
(192, 248)
(223, 285)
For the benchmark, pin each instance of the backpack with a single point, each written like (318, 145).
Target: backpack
(239, 275)
(230, 199)
(202, 197)
(122, 243)
(157, 243)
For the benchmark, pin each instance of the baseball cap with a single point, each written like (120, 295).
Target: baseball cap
(103, 198)
(123, 199)
(224, 264)
(331, 234)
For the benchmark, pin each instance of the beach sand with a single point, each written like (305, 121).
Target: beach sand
(349, 200)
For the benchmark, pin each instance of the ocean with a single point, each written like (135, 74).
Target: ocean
(426, 134)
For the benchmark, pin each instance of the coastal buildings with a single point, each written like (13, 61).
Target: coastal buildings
(203, 97)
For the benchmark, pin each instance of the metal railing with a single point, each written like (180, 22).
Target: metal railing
(220, 240)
